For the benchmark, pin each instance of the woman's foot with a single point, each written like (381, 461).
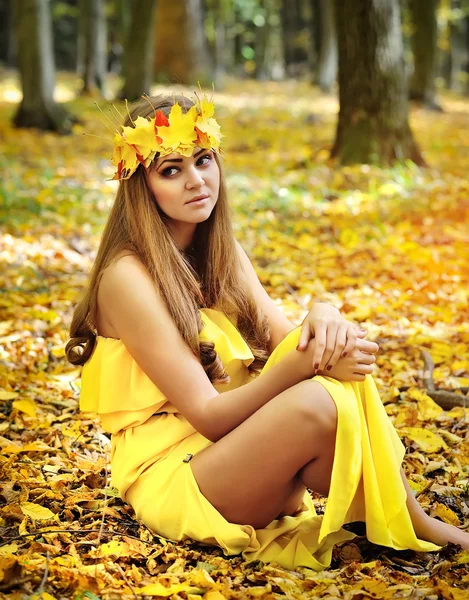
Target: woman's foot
(440, 533)
(430, 529)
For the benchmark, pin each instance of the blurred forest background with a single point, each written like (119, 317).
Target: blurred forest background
(346, 152)
(380, 52)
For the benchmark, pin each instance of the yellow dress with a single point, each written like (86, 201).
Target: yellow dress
(148, 451)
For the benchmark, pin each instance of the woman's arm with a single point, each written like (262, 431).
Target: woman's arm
(133, 306)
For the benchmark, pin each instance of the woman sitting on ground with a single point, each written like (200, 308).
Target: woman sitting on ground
(219, 422)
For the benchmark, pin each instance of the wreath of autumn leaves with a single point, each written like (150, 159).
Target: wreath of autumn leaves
(180, 132)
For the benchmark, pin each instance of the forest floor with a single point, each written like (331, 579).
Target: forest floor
(389, 247)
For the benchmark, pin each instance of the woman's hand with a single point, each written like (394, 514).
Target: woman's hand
(334, 336)
(357, 364)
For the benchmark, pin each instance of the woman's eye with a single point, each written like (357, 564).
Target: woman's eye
(206, 157)
(168, 172)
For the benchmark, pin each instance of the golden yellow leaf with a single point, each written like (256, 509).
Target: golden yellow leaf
(113, 548)
(424, 438)
(22, 529)
(427, 407)
(8, 395)
(452, 593)
(9, 549)
(214, 595)
(27, 406)
(446, 514)
(462, 558)
(36, 511)
(41, 596)
(157, 589)
(201, 578)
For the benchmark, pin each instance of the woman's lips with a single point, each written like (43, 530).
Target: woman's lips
(199, 201)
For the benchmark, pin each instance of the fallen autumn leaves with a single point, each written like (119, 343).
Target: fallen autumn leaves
(388, 247)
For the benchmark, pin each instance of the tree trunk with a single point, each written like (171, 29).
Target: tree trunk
(466, 64)
(373, 122)
(424, 46)
(36, 66)
(5, 31)
(181, 53)
(138, 55)
(457, 50)
(289, 23)
(92, 46)
(327, 65)
(298, 41)
(220, 19)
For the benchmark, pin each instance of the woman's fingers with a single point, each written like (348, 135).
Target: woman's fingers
(305, 336)
(341, 340)
(331, 342)
(368, 347)
(367, 359)
(351, 341)
(364, 369)
(319, 344)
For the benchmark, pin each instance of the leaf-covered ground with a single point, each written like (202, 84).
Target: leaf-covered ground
(389, 247)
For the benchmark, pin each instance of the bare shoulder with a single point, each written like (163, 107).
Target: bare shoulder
(123, 270)
(143, 322)
(125, 267)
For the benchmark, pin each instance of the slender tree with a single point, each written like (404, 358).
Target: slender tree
(327, 64)
(373, 119)
(36, 66)
(92, 46)
(181, 52)
(138, 56)
(424, 47)
(455, 56)
(219, 25)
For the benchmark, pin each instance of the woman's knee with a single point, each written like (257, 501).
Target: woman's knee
(316, 404)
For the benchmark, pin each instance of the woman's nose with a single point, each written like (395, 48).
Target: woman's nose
(194, 179)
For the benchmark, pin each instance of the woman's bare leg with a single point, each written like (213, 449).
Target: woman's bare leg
(316, 477)
(430, 529)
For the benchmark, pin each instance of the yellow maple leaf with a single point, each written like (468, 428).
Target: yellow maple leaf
(142, 137)
(181, 130)
(124, 154)
(211, 129)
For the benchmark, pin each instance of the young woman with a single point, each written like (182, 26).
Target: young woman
(222, 413)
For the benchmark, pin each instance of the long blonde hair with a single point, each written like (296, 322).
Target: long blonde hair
(210, 276)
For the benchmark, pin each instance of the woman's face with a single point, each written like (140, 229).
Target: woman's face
(178, 181)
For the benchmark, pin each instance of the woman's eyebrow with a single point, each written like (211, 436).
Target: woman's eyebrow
(179, 160)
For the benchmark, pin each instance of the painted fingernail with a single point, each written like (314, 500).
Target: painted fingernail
(329, 367)
(344, 354)
(316, 366)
